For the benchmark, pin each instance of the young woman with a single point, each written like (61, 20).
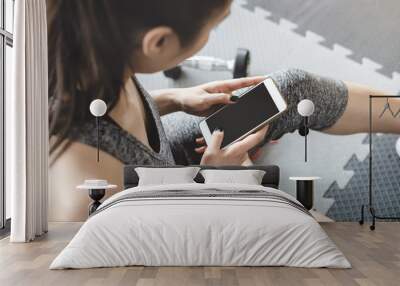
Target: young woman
(95, 49)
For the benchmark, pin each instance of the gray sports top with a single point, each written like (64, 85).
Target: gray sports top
(125, 147)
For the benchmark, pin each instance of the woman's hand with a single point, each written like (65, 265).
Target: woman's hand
(203, 99)
(235, 154)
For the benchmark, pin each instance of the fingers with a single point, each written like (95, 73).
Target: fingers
(200, 150)
(200, 141)
(249, 142)
(216, 141)
(218, 98)
(244, 82)
(228, 86)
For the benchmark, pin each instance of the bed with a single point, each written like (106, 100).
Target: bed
(201, 224)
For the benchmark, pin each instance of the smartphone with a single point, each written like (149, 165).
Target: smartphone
(252, 110)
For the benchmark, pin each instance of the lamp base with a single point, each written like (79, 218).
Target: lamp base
(96, 195)
(305, 193)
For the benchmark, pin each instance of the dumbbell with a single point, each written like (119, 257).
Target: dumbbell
(239, 66)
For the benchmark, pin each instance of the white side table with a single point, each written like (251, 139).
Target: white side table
(97, 190)
(305, 190)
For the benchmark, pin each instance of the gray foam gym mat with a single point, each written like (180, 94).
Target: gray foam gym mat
(367, 27)
(386, 183)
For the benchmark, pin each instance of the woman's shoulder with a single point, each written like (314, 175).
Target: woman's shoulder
(78, 156)
(77, 163)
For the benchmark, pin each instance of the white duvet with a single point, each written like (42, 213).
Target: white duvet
(200, 231)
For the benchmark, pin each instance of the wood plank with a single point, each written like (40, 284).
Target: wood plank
(319, 217)
(375, 257)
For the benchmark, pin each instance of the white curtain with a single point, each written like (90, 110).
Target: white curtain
(27, 123)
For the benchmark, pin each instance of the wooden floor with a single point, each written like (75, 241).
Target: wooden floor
(375, 257)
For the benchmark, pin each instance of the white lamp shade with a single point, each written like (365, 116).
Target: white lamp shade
(98, 107)
(305, 107)
(398, 146)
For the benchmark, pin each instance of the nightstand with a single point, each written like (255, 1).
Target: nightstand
(305, 190)
(97, 189)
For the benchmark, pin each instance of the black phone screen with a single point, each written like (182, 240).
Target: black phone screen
(251, 110)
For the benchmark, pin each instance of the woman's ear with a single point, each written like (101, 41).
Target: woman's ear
(159, 40)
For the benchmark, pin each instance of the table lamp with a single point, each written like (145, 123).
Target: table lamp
(305, 108)
(98, 108)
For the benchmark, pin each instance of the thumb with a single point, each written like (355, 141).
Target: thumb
(216, 141)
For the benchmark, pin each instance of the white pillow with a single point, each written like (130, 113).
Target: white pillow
(164, 176)
(248, 177)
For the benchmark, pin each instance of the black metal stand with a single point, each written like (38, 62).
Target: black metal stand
(96, 195)
(369, 206)
(305, 138)
(98, 138)
(303, 131)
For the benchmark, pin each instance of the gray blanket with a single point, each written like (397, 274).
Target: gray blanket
(206, 194)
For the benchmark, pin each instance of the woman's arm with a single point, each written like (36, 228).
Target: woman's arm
(194, 100)
(166, 100)
(200, 100)
(355, 118)
(340, 107)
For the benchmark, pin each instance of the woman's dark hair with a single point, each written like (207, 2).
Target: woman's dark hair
(91, 43)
